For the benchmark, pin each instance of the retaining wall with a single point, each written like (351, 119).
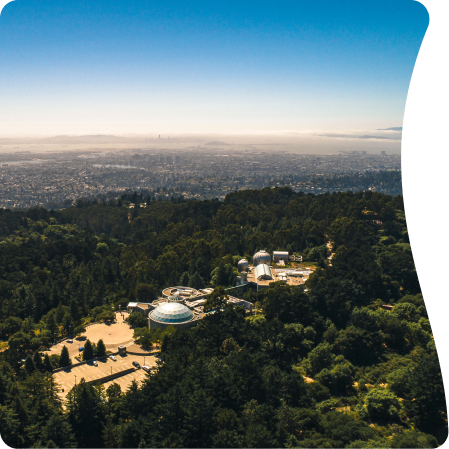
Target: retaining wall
(105, 379)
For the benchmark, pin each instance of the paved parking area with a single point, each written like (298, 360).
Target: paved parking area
(113, 335)
(88, 371)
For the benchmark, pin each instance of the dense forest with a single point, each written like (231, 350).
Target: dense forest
(324, 366)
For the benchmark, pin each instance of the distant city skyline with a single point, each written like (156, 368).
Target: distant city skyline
(173, 68)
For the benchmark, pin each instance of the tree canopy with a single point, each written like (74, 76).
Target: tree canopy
(320, 366)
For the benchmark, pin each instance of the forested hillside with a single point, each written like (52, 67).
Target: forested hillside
(326, 367)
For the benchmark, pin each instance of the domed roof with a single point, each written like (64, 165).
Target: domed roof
(261, 257)
(171, 312)
(242, 264)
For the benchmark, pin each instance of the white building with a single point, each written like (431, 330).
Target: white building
(280, 255)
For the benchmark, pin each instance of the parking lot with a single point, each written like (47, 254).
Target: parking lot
(112, 334)
(106, 367)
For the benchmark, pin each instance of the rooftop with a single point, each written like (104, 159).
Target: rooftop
(172, 312)
(143, 305)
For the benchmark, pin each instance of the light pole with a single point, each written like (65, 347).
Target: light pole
(75, 380)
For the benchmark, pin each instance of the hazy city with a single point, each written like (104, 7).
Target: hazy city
(33, 175)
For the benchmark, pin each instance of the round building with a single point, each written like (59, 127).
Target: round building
(172, 313)
(261, 257)
(242, 265)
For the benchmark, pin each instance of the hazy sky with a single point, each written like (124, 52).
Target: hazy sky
(206, 66)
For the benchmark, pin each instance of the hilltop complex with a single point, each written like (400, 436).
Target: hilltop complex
(261, 274)
(182, 307)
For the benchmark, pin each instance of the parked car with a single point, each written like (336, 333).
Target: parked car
(69, 340)
(137, 365)
(81, 349)
(113, 358)
(146, 368)
(95, 363)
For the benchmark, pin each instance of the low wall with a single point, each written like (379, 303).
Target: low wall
(140, 353)
(105, 379)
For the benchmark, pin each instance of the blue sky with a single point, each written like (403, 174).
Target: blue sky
(196, 66)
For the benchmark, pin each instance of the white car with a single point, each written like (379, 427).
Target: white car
(70, 341)
(95, 363)
(113, 358)
(146, 368)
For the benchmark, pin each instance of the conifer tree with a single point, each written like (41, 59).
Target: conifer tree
(47, 364)
(196, 281)
(100, 349)
(64, 359)
(88, 351)
(184, 279)
(29, 364)
(38, 360)
(86, 415)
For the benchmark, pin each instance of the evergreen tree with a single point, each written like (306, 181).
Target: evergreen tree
(196, 281)
(64, 359)
(100, 349)
(38, 361)
(47, 364)
(88, 351)
(184, 279)
(74, 310)
(58, 431)
(29, 366)
(86, 414)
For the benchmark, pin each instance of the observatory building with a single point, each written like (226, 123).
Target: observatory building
(242, 265)
(172, 313)
(261, 257)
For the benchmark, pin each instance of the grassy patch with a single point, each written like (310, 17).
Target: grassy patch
(310, 264)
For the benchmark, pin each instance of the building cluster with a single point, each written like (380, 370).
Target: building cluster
(262, 272)
(56, 180)
(180, 307)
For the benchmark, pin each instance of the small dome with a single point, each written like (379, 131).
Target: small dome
(261, 257)
(171, 312)
(242, 265)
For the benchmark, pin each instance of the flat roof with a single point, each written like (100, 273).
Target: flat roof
(143, 305)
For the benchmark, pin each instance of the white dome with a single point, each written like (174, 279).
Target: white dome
(171, 312)
(261, 257)
(242, 265)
